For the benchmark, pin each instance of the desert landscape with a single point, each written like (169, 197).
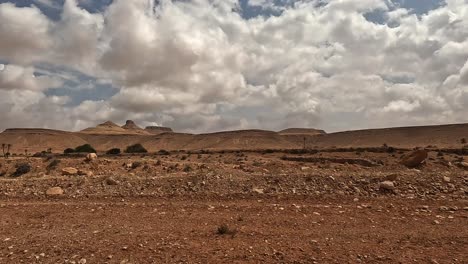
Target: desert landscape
(396, 195)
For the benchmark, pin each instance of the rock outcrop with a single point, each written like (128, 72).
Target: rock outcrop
(130, 125)
(158, 129)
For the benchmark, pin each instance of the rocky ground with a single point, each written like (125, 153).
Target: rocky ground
(286, 207)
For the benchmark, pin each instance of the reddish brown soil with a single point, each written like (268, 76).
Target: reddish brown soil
(320, 210)
(268, 230)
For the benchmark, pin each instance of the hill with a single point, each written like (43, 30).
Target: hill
(109, 135)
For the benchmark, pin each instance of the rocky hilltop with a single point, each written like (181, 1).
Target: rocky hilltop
(158, 129)
(110, 128)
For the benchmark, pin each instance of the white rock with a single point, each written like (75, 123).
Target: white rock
(91, 156)
(258, 190)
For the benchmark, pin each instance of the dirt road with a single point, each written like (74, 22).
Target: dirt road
(285, 229)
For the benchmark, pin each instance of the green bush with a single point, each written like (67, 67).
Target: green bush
(86, 148)
(21, 169)
(68, 151)
(137, 148)
(163, 152)
(113, 151)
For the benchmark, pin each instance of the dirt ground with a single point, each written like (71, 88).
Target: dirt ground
(235, 208)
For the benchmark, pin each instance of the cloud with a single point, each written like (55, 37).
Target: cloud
(23, 78)
(200, 66)
(24, 33)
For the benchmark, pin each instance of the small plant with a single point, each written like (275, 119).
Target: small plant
(225, 230)
(187, 168)
(113, 151)
(136, 164)
(183, 157)
(163, 152)
(136, 148)
(68, 151)
(86, 148)
(53, 164)
(21, 169)
(463, 140)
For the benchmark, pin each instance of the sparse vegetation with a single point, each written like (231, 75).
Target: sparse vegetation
(224, 229)
(53, 165)
(113, 151)
(21, 169)
(136, 148)
(187, 168)
(86, 148)
(136, 164)
(68, 151)
(463, 140)
(163, 152)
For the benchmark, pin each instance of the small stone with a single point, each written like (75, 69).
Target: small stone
(391, 177)
(91, 156)
(387, 185)
(446, 179)
(82, 261)
(436, 222)
(443, 208)
(54, 191)
(305, 168)
(69, 171)
(258, 190)
(111, 181)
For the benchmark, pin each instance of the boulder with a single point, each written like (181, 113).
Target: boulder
(54, 191)
(69, 171)
(91, 157)
(415, 158)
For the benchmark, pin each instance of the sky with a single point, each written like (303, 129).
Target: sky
(213, 65)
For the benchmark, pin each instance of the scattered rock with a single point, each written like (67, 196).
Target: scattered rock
(415, 158)
(91, 156)
(387, 185)
(111, 181)
(258, 190)
(463, 165)
(54, 191)
(69, 171)
(446, 179)
(391, 177)
(85, 173)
